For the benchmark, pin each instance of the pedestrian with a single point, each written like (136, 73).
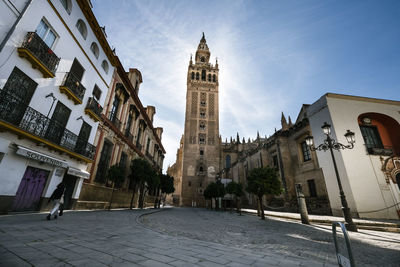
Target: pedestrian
(58, 199)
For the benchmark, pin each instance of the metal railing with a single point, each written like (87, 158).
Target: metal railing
(384, 150)
(19, 114)
(112, 116)
(41, 51)
(74, 85)
(94, 106)
(128, 135)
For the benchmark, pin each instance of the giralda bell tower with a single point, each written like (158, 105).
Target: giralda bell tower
(201, 157)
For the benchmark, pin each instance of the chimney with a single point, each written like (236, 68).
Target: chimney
(150, 110)
(159, 131)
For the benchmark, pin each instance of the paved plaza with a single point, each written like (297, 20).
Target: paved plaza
(180, 237)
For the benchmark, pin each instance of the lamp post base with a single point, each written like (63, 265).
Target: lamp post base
(350, 225)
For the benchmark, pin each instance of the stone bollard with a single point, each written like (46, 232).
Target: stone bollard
(302, 204)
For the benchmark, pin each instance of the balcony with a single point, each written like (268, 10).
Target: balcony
(113, 118)
(29, 123)
(382, 151)
(128, 135)
(93, 109)
(73, 88)
(36, 51)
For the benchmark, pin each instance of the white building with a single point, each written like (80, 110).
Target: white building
(370, 172)
(55, 69)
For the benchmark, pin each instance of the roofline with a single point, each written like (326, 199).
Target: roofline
(363, 98)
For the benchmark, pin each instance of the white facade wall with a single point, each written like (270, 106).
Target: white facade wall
(362, 179)
(69, 45)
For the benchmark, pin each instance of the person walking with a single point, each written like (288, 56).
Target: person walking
(58, 199)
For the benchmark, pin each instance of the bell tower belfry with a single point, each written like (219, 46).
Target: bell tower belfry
(201, 157)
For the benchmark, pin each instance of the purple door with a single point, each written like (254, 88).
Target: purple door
(30, 189)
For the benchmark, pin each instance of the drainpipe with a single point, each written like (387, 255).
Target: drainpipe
(11, 31)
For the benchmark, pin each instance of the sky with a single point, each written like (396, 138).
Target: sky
(273, 56)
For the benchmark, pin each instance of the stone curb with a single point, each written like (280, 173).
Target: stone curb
(375, 226)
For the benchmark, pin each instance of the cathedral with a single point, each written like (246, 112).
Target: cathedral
(372, 191)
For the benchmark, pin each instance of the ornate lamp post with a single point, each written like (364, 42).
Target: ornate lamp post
(331, 144)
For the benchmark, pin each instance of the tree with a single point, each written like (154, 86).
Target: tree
(263, 181)
(116, 174)
(214, 190)
(236, 189)
(141, 173)
(166, 185)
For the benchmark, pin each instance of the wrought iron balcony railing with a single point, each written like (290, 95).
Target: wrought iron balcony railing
(383, 151)
(73, 88)
(93, 109)
(34, 123)
(129, 135)
(39, 54)
(113, 118)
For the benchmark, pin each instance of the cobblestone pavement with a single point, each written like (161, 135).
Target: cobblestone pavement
(195, 237)
(278, 236)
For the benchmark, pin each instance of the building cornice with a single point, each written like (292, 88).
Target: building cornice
(362, 98)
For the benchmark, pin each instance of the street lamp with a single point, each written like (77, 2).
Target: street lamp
(331, 144)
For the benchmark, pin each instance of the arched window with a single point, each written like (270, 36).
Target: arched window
(209, 77)
(203, 75)
(192, 75)
(214, 78)
(67, 5)
(81, 26)
(228, 161)
(201, 169)
(104, 65)
(95, 49)
(197, 76)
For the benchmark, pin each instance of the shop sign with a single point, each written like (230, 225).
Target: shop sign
(35, 155)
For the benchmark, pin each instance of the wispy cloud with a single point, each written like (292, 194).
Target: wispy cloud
(273, 55)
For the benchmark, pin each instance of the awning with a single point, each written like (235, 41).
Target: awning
(79, 173)
(36, 155)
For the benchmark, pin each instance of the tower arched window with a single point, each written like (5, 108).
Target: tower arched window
(192, 75)
(203, 75)
(214, 78)
(95, 49)
(201, 169)
(197, 76)
(81, 26)
(209, 77)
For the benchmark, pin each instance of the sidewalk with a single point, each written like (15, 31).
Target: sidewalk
(368, 224)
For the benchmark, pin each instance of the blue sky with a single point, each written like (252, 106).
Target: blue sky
(273, 55)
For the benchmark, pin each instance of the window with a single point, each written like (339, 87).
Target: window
(148, 145)
(46, 33)
(192, 75)
(81, 26)
(228, 161)
(189, 183)
(67, 5)
(203, 75)
(201, 169)
(114, 108)
(104, 161)
(214, 78)
(202, 114)
(306, 151)
(96, 92)
(202, 126)
(209, 77)
(122, 160)
(95, 49)
(201, 152)
(77, 70)
(312, 188)
(104, 65)
(202, 59)
(197, 76)
(202, 139)
(200, 184)
(371, 136)
(203, 103)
